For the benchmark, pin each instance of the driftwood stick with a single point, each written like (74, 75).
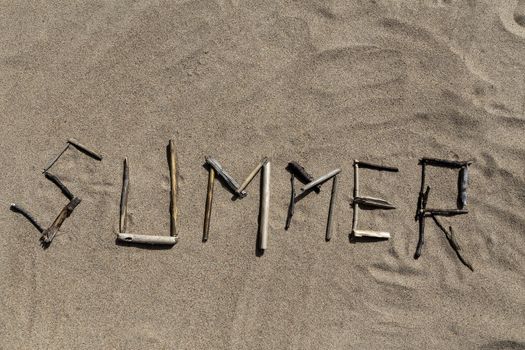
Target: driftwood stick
(376, 203)
(54, 179)
(18, 209)
(421, 217)
(291, 206)
(146, 239)
(331, 209)
(356, 194)
(123, 224)
(250, 177)
(173, 189)
(320, 180)
(230, 182)
(209, 201)
(369, 233)
(367, 165)
(54, 159)
(453, 242)
(265, 208)
(84, 149)
(443, 163)
(50, 232)
(462, 187)
(444, 212)
(301, 174)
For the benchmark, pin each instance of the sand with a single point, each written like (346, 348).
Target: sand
(318, 82)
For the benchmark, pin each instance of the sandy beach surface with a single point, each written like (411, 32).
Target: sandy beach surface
(318, 82)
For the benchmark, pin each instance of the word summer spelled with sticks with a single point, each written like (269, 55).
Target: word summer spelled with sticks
(297, 174)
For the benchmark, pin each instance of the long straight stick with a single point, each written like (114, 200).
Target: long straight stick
(356, 194)
(265, 210)
(123, 225)
(320, 180)
(333, 199)
(173, 192)
(209, 202)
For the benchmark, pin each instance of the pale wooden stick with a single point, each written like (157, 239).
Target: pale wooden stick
(49, 233)
(173, 192)
(86, 150)
(265, 210)
(209, 202)
(123, 226)
(147, 239)
(376, 203)
(333, 199)
(368, 233)
(320, 180)
(240, 191)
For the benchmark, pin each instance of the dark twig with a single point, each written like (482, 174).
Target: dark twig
(54, 179)
(18, 209)
(367, 165)
(453, 242)
(301, 174)
(291, 206)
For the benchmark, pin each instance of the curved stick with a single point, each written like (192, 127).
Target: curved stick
(54, 179)
(18, 209)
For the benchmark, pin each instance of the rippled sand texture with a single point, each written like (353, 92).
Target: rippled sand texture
(319, 82)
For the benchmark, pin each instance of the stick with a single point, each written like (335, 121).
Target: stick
(445, 212)
(376, 203)
(49, 233)
(123, 225)
(291, 206)
(462, 187)
(53, 161)
(147, 239)
(333, 199)
(250, 177)
(454, 164)
(301, 174)
(230, 182)
(54, 179)
(372, 166)
(173, 192)
(209, 201)
(453, 242)
(265, 210)
(18, 209)
(356, 193)
(84, 149)
(374, 234)
(420, 215)
(321, 180)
